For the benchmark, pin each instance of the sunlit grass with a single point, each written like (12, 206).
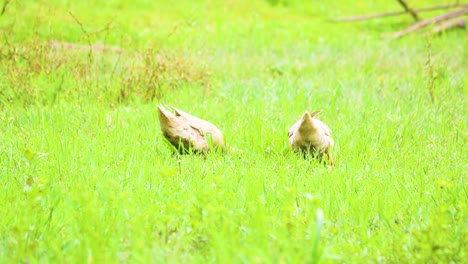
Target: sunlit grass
(87, 177)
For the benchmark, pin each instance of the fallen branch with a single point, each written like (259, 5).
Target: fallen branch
(397, 13)
(460, 23)
(409, 9)
(426, 22)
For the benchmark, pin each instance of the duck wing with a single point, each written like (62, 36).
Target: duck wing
(201, 129)
(326, 130)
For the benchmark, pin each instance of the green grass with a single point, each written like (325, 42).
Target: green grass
(86, 176)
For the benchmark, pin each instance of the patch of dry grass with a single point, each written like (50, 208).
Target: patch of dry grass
(41, 72)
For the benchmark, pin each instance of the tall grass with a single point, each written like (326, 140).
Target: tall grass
(87, 177)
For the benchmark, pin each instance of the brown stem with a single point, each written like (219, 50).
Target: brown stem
(85, 32)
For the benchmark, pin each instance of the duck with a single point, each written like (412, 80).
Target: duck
(309, 135)
(187, 133)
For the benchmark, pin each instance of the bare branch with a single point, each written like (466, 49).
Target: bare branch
(426, 22)
(460, 23)
(409, 9)
(397, 13)
(367, 17)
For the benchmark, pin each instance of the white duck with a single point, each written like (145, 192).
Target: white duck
(311, 136)
(187, 132)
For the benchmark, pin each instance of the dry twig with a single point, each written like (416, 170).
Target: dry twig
(397, 13)
(409, 10)
(433, 20)
(460, 22)
(88, 38)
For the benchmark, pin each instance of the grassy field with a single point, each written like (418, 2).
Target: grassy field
(86, 176)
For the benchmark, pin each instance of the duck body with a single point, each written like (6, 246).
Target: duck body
(309, 135)
(188, 133)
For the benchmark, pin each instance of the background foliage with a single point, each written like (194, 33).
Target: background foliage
(86, 175)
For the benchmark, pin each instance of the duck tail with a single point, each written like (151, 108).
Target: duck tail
(164, 116)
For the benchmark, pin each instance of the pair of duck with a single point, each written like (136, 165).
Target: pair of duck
(190, 134)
